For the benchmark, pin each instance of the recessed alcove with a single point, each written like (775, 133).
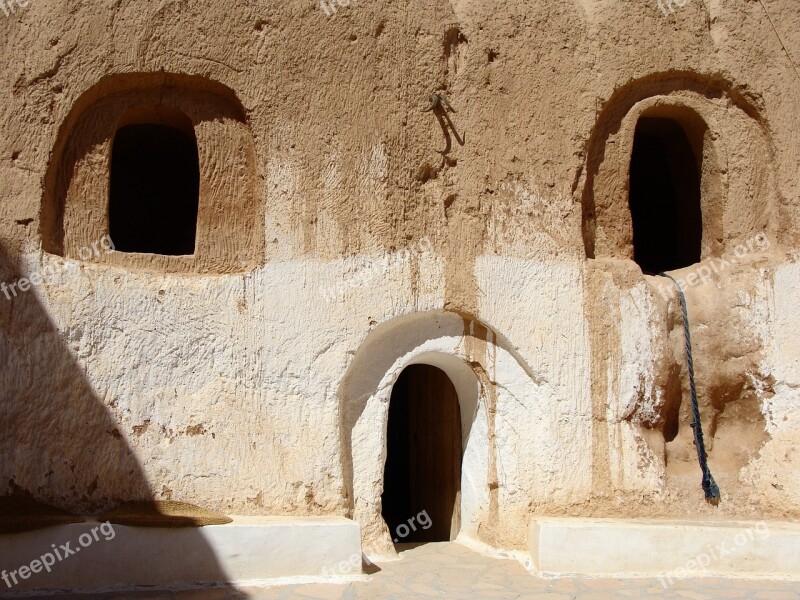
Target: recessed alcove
(165, 165)
(669, 168)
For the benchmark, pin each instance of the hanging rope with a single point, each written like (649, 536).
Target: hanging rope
(709, 485)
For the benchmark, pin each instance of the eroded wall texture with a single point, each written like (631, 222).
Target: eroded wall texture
(344, 233)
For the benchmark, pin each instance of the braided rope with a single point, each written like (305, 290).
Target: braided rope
(709, 485)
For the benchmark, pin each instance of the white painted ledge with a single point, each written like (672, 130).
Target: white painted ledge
(669, 549)
(251, 550)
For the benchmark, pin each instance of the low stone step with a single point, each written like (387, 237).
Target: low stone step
(670, 550)
(249, 551)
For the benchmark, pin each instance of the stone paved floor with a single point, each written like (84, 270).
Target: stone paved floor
(450, 570)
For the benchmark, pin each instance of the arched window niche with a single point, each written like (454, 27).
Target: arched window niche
(162, 163)
(678, 171)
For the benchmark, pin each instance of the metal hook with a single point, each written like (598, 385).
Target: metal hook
(439, 99)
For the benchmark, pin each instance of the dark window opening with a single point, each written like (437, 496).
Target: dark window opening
(664, 196)
(154, 190)
(422, 476)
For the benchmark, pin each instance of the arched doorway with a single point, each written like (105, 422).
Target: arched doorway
(422, 474)
(467, 351)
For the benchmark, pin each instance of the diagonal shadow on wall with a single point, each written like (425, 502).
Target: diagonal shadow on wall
(58, 441)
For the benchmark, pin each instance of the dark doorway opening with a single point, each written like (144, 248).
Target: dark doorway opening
(422, 478)
(154, 190)
(664, 196)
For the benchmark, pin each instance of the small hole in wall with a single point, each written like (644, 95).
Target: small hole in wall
(454, 50)
(673, 397)
(491, 56)
(453, 38)
(448, 202)
(154, 190)
(664, 196)
(427, 172)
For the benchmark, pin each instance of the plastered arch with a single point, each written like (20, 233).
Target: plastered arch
(486, 375)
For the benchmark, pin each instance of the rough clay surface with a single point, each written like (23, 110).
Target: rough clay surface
(244, 380)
